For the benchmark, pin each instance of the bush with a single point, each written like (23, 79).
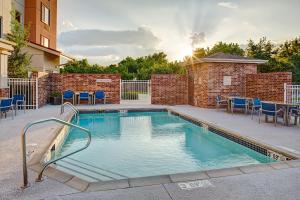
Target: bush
(55, 94)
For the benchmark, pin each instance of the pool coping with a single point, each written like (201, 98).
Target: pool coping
(77, 183)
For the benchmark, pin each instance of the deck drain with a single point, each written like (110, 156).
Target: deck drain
(195, 184)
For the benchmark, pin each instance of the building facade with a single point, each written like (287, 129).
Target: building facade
(5, 46)
(41, 17)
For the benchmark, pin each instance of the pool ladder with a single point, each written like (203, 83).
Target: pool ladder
(74, 109)
(23, 143)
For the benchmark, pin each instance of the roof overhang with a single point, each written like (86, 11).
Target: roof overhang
(67, 57)
(45, 49)
(248, 61)
(218, 60)
(6, 46)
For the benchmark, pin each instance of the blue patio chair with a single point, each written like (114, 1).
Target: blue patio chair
(221, 102)
(69, 96)
(85, 96)
(6, 106)
(269, 109)
(19, 101)
(255, 107)
(294, 111)
(99, 95)
(239, 103)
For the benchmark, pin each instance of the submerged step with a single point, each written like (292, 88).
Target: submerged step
(87, 171)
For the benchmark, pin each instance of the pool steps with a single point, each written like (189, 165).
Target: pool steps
(87, 171)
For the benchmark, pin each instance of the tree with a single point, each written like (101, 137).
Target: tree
(264, 49)
(18, 61)
(229, 48)
(129, 68)
(199, 52)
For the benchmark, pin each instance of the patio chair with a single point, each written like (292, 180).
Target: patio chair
(85, 96)
(294, 112)
(69, 96)
(255, 106)
(221, 102)
(239, 103)
(269, 109)
(99, 95)
(19, 101)
(5, 106)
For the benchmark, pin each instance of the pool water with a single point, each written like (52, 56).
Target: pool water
(139, 144)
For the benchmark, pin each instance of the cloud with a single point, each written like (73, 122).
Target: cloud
(66, 25)
(197, 39)
(228, 4)
(140, 37)
(106, 55)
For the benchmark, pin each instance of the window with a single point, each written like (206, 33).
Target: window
(44, 41)
(45, 15)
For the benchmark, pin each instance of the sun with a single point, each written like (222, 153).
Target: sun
(185, 51)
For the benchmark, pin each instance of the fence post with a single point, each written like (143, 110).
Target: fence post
(37, 93)
(285, 92)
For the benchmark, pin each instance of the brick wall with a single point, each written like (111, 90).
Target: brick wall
(4, 92)
(267, 86)
(170, 89)
(44, 89)
(208, 81)
(87, 82)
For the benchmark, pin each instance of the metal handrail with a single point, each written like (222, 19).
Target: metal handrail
(74, 109)
(23, 138)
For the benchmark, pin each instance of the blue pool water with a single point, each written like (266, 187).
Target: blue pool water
(138, 144)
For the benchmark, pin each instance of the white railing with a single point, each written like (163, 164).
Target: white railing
(137, 91)
(291, 93)
(27, 87)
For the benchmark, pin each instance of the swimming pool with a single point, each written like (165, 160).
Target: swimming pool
(140, 144)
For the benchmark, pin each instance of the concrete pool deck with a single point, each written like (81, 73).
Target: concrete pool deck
(270, 184)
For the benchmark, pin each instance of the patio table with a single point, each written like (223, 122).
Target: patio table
(286, 107)
(91, 96)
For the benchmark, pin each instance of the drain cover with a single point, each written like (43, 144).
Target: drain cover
(195, 184)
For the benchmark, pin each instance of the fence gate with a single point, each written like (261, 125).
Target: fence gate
(27, 87)
(136, 91)
(291, 93)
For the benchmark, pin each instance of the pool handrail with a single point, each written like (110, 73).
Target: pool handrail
(23, 143)
(74, 109)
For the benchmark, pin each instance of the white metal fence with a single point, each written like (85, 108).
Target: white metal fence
(291, 93)
(137, 91)
(27, 87)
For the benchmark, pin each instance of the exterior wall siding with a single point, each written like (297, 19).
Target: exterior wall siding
(267, 86)
(169, 89)
(37, 27)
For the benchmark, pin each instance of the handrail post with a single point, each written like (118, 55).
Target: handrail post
(23, 143)
(25, 175)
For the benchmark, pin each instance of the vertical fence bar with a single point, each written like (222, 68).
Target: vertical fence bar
(285, 92)
(27, 87)
(37, 94)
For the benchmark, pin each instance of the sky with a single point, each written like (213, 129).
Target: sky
(106, 31)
